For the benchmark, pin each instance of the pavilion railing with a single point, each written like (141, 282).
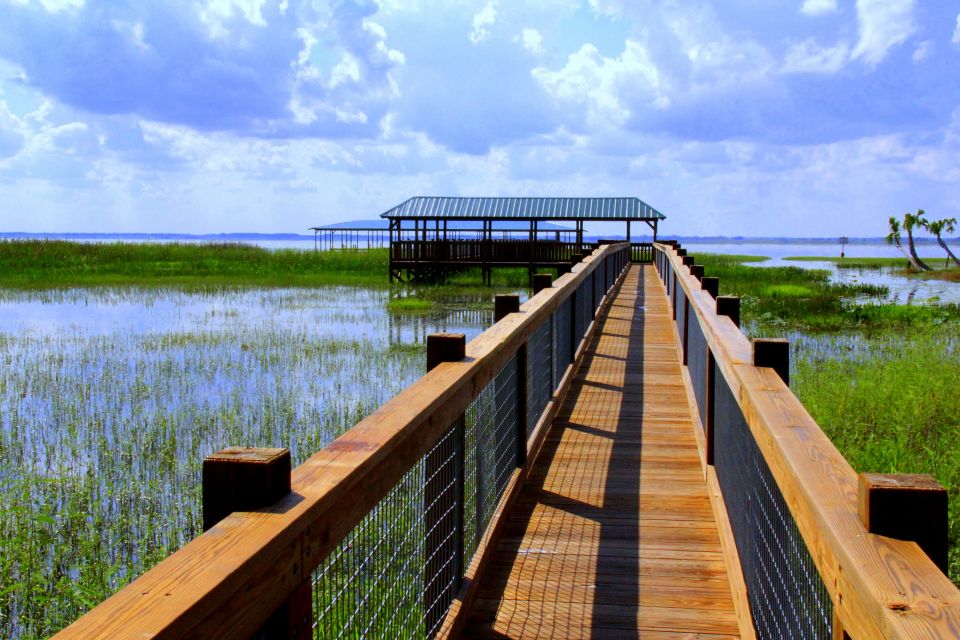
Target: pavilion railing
(803, 534)
(382, 533)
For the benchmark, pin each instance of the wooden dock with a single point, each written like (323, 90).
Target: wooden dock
(625, 514)
(613, 535)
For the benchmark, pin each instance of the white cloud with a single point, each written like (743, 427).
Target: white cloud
(216, 12)
(923, 50)
(599, 84)
(532, 41)
(810, 57)
(818, 7)
(956, 32)
(483, 19)
(882, 24)
(55, 6)
(612, 8)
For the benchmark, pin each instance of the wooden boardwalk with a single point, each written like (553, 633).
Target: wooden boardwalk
(613, 535)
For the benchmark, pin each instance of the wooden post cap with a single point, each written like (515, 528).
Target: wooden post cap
(504, 303)
(576, 257)
(729, 306)
(541, 281)
(563, 269)
(696, 270)
(688, 261)
(773, 353)
(681, 252)
(445, 347)
(907, 507)
(243, 479)
(710, 284)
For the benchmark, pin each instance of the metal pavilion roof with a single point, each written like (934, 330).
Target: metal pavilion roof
(524, 209)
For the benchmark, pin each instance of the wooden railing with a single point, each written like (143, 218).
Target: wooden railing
(816, 550)
(376, 518)
(518, 251)
(641, 252)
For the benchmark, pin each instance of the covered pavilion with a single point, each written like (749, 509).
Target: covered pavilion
(427, 238)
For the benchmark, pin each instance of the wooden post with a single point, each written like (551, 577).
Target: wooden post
(710, 284)
(696, 270)
(576, 258)
(773, 353)
(729, 306)
(541, 281)
(563, 269)
(504, 303)
(688, 261)
(681, 252)
(906, 506)
(711, 399)
(438, 519)
(247, 479)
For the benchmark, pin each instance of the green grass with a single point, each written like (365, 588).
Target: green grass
(941, 270)
(410, 305)
(880, 379)
(776, 299)
(44, 264)
(855, 263)
(893, 407)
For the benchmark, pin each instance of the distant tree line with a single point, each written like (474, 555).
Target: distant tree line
(918, 220)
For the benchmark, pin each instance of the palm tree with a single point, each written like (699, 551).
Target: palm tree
(894, 238)
(947, 225)
(910, 222)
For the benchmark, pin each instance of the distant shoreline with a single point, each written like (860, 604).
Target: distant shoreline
(297, 237)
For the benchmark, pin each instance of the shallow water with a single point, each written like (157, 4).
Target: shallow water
(902, 289)
(110, 399)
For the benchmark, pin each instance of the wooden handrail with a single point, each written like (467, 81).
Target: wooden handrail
(226, 582)
(880, 587)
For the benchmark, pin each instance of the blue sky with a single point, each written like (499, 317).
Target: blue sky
(735, 117)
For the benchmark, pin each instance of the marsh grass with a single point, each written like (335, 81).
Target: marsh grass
(890, 404)
(39, 264)
(880, 379)
(106, 415)
(777, 299)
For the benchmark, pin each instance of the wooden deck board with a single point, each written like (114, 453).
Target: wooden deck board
(613, 535)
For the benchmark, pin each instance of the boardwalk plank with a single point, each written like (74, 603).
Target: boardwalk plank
(613, 534)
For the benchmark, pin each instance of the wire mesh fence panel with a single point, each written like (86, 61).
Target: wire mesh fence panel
(697, 357)
(372, 583)
(396, 573)
(578, 305)
(563, 329)
(539, 372)
(788, 599)
(681, 316)
(589, 303)
(491, 429)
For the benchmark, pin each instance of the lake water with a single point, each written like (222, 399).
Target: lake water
(903, 290)
(111, 398)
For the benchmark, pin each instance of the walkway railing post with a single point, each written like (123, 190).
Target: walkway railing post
(710, 284)
(247, 479)
(505, 304)
(773, 353)
(729, 306)
(906, 506)
(541, 281)
(438, 519)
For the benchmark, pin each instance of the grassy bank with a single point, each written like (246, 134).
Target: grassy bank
(778, 299)
(941, 269)
(890, 404)
(880, 379)
(44, 264)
